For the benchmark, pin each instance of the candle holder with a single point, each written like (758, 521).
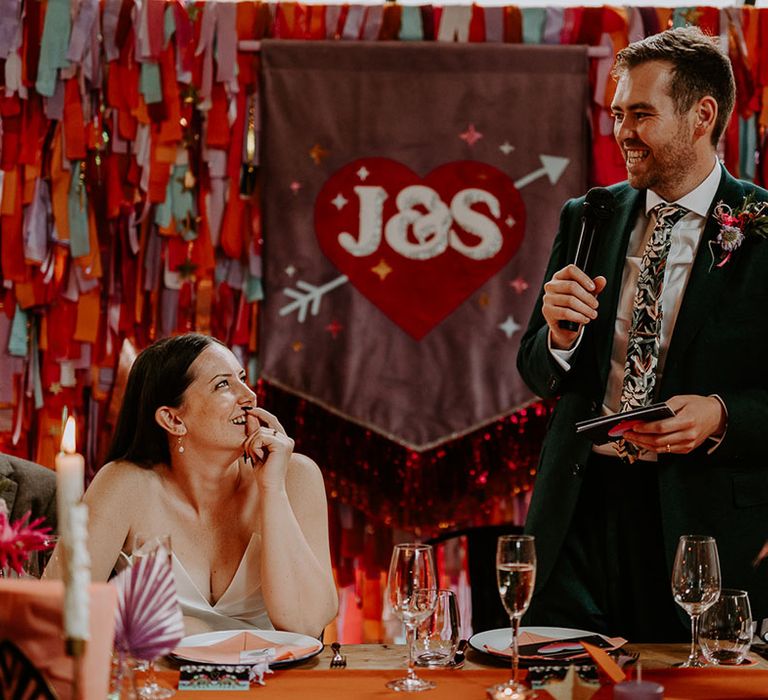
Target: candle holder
(75, 649)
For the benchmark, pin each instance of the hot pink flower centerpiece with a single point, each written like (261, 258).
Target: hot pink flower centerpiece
(20, 538)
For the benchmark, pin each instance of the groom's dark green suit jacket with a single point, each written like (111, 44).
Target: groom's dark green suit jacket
(719, 346)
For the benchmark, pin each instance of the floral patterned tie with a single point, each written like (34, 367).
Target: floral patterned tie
(644, 333)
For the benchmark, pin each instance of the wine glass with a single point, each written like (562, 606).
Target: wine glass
(696, 584)
(152, 546)
(515, 576)
(412, 592)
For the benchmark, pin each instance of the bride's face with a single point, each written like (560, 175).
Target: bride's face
(214, 405)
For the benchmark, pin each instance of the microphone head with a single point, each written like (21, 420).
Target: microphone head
(599, 203)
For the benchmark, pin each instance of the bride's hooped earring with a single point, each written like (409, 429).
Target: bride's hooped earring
(179, 445)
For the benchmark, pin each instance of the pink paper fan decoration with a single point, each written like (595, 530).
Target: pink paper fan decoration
(149, 619)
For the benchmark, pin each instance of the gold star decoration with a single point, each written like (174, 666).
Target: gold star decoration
(571, 687)
(187, 269)
(297, 345)
(382, 269)
(691, 16)
(188, 181)
(56, 388)
(317, 153)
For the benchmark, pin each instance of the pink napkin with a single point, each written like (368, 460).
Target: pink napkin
(31, 617)
(228, 650)
(530, 638)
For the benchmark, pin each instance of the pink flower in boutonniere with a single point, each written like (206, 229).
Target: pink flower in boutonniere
(751, 219)
(19, 539)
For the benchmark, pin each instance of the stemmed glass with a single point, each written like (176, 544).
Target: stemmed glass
(515, 576)
(696, 584)
(412, 592)
(157, 546)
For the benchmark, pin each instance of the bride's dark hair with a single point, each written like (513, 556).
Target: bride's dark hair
(159, 377)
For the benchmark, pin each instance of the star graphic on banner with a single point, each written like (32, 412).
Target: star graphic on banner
(382, 269)
(297, 346)
(317, 153)
(295, 187)
(519, 285)
(510, 327)
(471, 135)
(290, 270)
(339, 201)
(506, 148)
(509, 221)
(484, 300)
(186, 270)
(334, 328)
(691, 16)
(55, 388)
(363, 173)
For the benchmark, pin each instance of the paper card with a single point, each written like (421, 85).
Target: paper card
(561, 649)
(214, 678)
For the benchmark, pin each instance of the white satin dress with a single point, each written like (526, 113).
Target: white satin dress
(241, 606)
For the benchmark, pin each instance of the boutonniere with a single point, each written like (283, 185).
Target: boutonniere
(751, 219)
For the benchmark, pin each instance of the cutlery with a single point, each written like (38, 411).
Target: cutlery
(338, 661)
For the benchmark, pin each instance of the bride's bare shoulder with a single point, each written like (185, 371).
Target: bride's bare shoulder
(121, 474)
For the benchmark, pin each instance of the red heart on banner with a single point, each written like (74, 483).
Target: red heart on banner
(418, 247)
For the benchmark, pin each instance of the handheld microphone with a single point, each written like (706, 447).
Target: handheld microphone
(598, 207)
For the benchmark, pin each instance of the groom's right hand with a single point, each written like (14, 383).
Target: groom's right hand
(571, 295)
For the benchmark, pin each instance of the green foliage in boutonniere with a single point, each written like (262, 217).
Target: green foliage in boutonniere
(751, 219)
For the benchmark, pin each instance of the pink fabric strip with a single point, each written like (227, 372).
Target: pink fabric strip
(226, 42)
(81, 29)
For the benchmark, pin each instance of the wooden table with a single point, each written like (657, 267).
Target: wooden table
(370, 666)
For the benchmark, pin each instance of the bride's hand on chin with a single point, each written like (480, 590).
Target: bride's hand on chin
(268, 447)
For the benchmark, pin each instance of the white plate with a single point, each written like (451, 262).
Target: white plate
(278, 637)
(501, 638)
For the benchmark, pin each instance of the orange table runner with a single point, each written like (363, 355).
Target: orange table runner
(346, 684)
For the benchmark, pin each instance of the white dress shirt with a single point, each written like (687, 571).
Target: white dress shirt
(685, 239)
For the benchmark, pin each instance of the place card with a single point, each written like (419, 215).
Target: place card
(215, 678)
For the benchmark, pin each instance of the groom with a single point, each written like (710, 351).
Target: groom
(666, 312)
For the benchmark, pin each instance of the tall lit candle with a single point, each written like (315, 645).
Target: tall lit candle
(70, 474)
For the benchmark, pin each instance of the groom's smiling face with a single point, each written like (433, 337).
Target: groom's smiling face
(656, 140)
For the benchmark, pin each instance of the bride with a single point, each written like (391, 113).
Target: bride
(194, 457)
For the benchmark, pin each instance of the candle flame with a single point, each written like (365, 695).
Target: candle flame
(68, 439)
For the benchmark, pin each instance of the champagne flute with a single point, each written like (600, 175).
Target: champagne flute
(152, 546)
(412, 593)
(696, 584)
(515, 576)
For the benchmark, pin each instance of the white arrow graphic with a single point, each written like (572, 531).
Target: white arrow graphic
(551, 166)
(308, 299)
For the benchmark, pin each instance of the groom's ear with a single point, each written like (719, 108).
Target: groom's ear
(706, 114)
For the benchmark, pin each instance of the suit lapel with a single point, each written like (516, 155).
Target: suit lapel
(8, 486)
(705, 284)
(610, 264)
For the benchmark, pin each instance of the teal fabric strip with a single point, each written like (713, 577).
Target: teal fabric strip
(534, 20)
(149, 83)
(747, 148)
(182, 203)
(411, 26)
(77, 210)
(254, 291)
(163, 212)
(680, 16)
(169, 27)
(37, 384)
(18, 339)
(53, 46)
